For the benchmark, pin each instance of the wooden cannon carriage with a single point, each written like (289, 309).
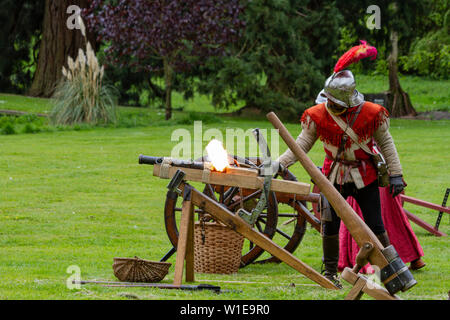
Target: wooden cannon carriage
(270, 222)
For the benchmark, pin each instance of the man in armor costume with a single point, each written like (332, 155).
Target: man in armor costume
(346, 164)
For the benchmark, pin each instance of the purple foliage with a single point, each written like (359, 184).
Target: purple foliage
(141, 31)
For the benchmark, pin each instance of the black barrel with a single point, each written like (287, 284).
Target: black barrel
(150, 160)
(173, 162)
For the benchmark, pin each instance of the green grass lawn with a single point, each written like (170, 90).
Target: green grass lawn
(200, 103)
(80, 198)
(425, 94)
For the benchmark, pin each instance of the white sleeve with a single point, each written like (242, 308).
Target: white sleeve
(386, 144)
(305, 140)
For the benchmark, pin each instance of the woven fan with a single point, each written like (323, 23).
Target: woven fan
(140, 270)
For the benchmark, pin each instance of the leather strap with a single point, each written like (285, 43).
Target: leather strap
(349, 131)
(343, 126)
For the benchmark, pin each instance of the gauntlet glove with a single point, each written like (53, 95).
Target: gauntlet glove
(396, 185)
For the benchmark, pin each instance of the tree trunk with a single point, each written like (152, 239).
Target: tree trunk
(58, 42)
(399, 101)
(168, 79)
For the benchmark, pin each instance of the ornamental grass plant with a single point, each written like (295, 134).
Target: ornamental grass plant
(81, 96)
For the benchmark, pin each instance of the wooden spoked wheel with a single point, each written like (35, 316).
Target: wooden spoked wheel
(291, 225)
(234, 198)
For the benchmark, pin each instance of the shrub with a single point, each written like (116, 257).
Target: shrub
(29, 128)
(8, 128)
(430, 56)
(81, 97)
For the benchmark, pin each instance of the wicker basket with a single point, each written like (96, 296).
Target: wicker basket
(221, 250)
(140, 270)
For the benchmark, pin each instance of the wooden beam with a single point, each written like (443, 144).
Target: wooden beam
(241, 171)
(183, 244)
(284, 197)
(240, 226)
(190, 247)
(425, 204)
(357, 291)
(424, 224)
(236, 178)
(365, 285)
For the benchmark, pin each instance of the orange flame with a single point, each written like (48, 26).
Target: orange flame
(217, 155)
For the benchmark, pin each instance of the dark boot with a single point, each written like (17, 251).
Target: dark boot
(330, 245)
(417, 264)
(384, 239)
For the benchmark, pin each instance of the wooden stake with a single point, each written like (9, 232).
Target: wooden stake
(190, 248)
(185, 248)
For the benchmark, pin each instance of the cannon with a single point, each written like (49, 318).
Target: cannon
(245, 197)
(270, 221)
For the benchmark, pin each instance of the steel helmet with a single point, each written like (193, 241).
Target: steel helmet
(340, 88)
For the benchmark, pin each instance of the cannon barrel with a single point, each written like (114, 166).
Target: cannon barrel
(172, 161)
(150, 160)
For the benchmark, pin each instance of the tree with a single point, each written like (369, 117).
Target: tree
(165, 36)
(430, 53)
(57, 43)
(399, 101)
(19, 41)
(400, 25)
(281, 60)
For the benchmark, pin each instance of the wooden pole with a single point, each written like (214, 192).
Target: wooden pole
(185, 250)
(425, 204)
(190, 247)
(424, 224)
(355, 225)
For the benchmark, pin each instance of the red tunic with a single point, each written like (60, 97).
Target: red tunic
(370, 118)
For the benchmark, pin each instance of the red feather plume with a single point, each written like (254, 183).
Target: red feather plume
(355, 54)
